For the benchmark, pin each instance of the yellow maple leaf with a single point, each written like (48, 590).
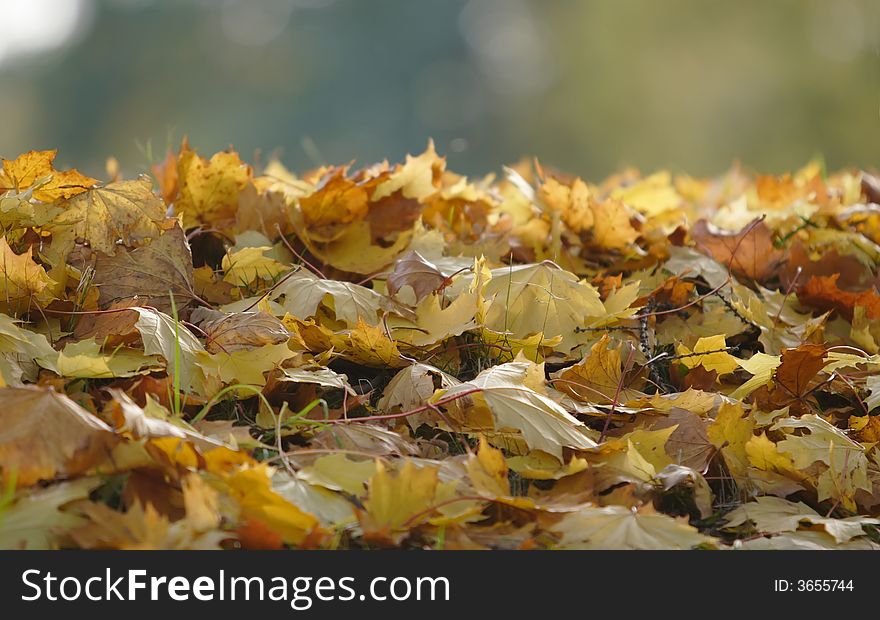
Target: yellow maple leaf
(651, 196)
(650, 444)
(336, 202)
(251, 487)
(368, 344)
(23, 279)
(126, 211)
(35, 167)
(247, 265)
(436, 322)
(487, 470)
(715, 357)
(397, 502)
(571, 201)
(765, 455)
(209, 189)
(415, 178)
(246, 365)
(540, 298)
(731, 432)
(504, 347)
(612, 228)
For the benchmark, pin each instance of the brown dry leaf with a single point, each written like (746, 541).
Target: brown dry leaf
(417, 272)
(689, 443)
(241, 330)
(822, 292)
(110, 328)
(793, 379)
(799, 366)
(749, 253)
(799, 268)
(150, 273)
(45, 435)
(336, 202)
(599, 377)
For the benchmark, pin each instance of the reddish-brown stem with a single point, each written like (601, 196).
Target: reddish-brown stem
(287, 244)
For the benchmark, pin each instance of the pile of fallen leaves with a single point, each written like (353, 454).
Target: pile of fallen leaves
(397, 355)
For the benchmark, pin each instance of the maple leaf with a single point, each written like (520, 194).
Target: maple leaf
(764, 454)
(618, 527)
(336, 202)
(245, 266)
(209, 189)
(793, 377)
(370, 344)
(35, 169)
(487, 470)
(338, 472)
(356, 239)
(731, 433)
(145, 528)
(599, 377)
(713, 355)
(325, 377)
(761, 366)
(749, 253)
(126, 211)
(84, 359)
(418, 273)
(822, 292)
(152, 421)
(162, 335)
(23, 278)
(331, 508)
(502, 392)
(540, 298)
(252, 488)
(845, 462)
(44, 435)
(397, 502)
(411, 388)
(23, 352)
(774, 515)
(150, 273)
(653, 195)
(241, 330)
(303, 294)
(572, 201)
(435, 322)
(37, 518)
(612, 228)
(246, 365)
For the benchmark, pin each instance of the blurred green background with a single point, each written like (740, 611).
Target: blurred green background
(585, 85)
